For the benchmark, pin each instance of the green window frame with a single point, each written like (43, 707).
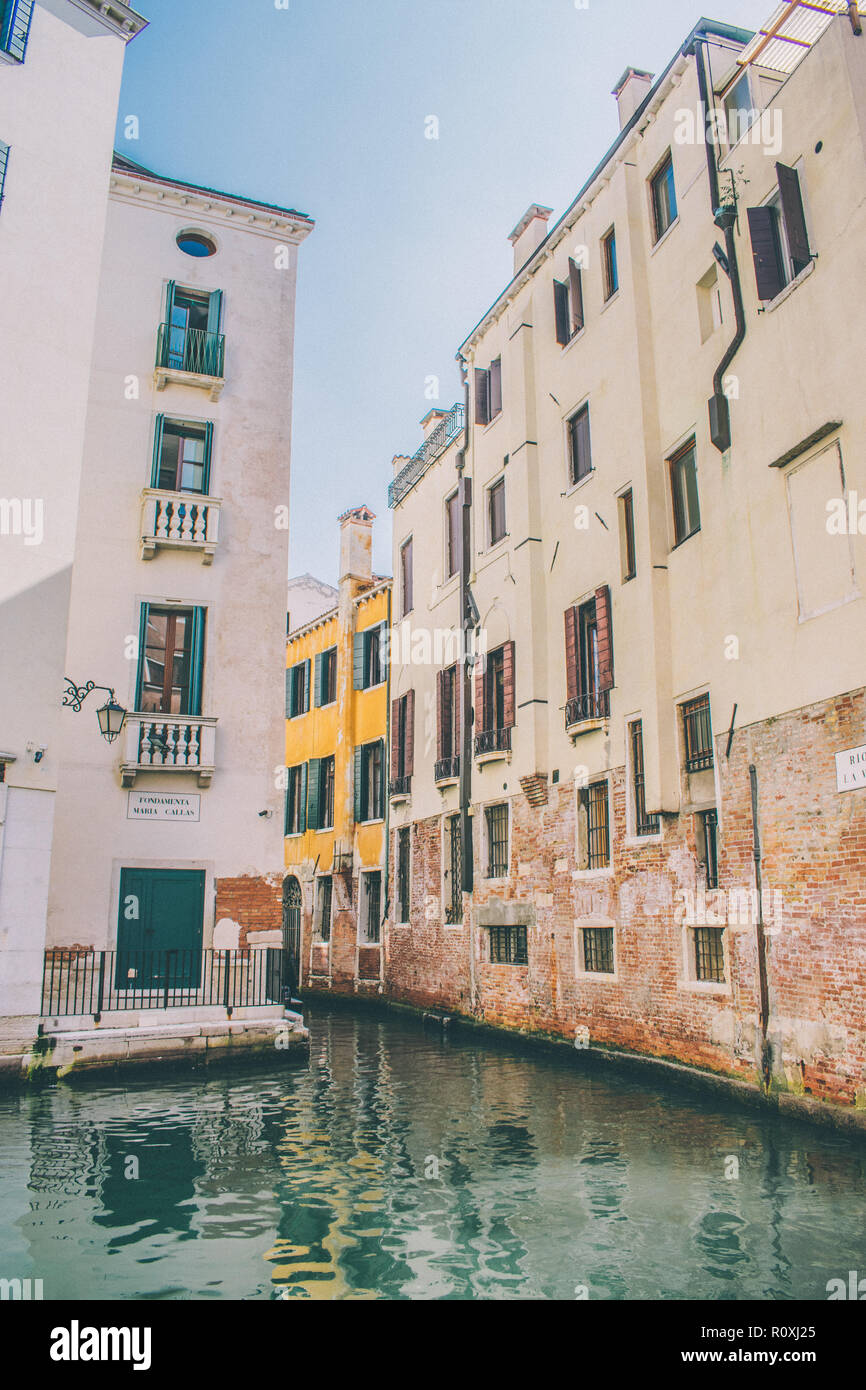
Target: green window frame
(201, 430)
(15, 19)
(193, 699)
(4, 165)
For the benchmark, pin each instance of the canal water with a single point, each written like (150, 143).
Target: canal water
(404, 1163)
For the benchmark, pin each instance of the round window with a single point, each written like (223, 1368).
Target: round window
(196, 244)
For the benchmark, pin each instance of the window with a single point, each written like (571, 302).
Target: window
(598, 950)
(182, 455)
(494, 701)
(171, 658)
(780, 238)
(496, 511)
(643, 824)
(4, 164)
(371, 907)
(324, 902)
(402, 743)
(190, 339)
(568, 304)
(708, 846)
(664, 198)
(447, 724)
(709, 303)
(297, 689)
(320, 796)
(697, 734)
(195, 244)
(453, 873)
(626, 535)
(368, 657)
(593, 829)
(452, 534)
(589, 659)
(403, 877)
(488, 392)
(709, 954)
(406, 595)
(684, 493)
(609, 265)
(508, 946)
(579, 450)
(15, 17)
(497, 840)
(296, 800)
(739, 111)
(369, 786)
(326, 678)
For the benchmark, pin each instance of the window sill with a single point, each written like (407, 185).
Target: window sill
(711, 987)
(328, 705)
(690, 536)
(586, 726)
(573, 487)
(377, 820)
(490, 423)
(445, 782)
(162, 376)
(611, 300)
(496, 755)
(583, 874)
(664, 236)
(498, 880)
(400, 798)
(636, 841)
(495, 545)
(364, 688)
(575, 338)
(769, 305)
(602, 976)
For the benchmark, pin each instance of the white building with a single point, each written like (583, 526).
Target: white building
(161, 575)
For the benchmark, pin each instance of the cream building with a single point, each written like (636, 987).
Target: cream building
(667, 558)
(167, 844)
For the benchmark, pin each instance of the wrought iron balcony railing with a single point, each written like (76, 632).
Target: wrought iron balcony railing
(95, 982)
(190, 350)
(593, 704)
(15, 28)
(446, 769)
(169, 743)
(400, 786)
(492, 741)
(436, 441)
(179, 521)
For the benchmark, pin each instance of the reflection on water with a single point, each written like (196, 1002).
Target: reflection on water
(403, 1164)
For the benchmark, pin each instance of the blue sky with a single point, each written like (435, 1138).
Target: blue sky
(322, 107)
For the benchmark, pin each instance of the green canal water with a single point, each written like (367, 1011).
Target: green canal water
(403, 1163)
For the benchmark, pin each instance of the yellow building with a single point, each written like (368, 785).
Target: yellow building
(336, 889)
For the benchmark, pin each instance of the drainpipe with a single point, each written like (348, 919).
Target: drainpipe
(760, 938)
(725, 217)
(466, 626)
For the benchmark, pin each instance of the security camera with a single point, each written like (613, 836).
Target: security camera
(38, 755)
(265, 815)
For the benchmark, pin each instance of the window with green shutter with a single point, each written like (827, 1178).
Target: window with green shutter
(296, 800)
(313, 822)
(182, 455)
(4, 164)
(170, 660)
(325, 682)
(298, 689)
(15, 17)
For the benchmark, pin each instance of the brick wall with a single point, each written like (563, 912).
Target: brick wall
(256, 904)
(814, 847)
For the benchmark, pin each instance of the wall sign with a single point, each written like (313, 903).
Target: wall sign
(851, 769)
(163, 806)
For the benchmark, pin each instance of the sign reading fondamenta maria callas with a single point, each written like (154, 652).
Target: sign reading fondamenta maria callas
(163, 806)
(851, 769)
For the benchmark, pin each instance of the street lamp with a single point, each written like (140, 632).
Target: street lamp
(111, 715)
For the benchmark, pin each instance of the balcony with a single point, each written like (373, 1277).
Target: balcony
(586, 712)
(190, 357)
(447, 771)
(179, 521)
(169, 743)
(491, 745)
(399, 788)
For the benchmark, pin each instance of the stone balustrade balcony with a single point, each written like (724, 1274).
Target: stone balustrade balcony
(169, 743)
(179, 521)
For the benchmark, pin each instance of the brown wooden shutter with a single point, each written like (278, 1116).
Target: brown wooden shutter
(795, 218)
(508, 684)
(768, 272)
(605, 638)
(480, 703)
(495, 387)
(576, 282)
(572, 675)
(395, 738)
(409, 745)
(440, 715)
(560, 305)
(482, 396)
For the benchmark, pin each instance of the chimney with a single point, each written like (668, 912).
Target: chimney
(356, 548)
(431, 420)
(630, 91)
(529, 234)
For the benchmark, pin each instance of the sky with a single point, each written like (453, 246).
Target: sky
(324, 106)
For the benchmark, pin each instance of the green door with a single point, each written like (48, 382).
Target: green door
(159, 928)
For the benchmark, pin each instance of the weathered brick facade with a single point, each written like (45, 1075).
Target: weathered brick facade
(813, 843)
(254, 903)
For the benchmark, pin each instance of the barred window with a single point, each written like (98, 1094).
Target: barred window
(508, 946)
(709, 954)
(697, 734)
(643, 824)
(454, 874)
(323, 915)
(371, 907)
(403, 880)
(594, 809)
(709, 829)
(497, 841)
(598, 949)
